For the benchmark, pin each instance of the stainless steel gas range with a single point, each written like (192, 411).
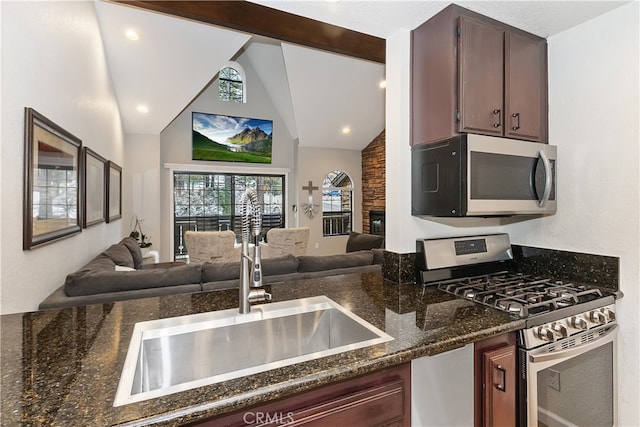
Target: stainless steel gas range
(567, 350)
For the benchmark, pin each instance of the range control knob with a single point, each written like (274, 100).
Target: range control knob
(560, 329)
(578, 323)
(598, 317)
(611, 315)
(545, 333)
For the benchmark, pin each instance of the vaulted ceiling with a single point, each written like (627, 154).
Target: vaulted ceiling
(175, 58)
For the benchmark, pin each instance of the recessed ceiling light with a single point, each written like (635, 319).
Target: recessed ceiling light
(142, 109)
(383, 84)
(346, 130)
(132, 35)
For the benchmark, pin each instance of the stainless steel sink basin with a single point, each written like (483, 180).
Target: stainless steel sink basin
(170, 355)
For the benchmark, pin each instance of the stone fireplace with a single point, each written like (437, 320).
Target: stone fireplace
(373, 182)
(376, 222)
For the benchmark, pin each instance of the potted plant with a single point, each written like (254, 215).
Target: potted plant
(140, 237)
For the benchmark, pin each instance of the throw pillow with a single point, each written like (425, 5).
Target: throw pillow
(120, 255)
(131, 244)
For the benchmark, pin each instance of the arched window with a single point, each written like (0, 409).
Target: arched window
(337, 206)
(231, 83)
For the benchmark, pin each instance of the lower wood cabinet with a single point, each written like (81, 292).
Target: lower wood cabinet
(382, 398)
(495, 382)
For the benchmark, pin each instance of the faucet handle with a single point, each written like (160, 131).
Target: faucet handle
(258, 294)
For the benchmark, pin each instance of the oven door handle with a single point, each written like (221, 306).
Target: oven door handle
(574, 351)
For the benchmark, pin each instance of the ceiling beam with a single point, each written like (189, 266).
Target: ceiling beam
(265, 21)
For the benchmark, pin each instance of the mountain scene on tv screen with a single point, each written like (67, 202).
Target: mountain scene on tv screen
(231, 139)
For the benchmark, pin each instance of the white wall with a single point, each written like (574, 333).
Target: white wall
(402, 229)
(141, 186)
(593, 119)
(52, 60)
(313, 165)
(175, 142)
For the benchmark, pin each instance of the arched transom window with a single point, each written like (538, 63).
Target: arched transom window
(337, 206)
(231, 85)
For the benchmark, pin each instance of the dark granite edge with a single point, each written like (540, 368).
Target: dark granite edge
(334, 374)
(399, 268)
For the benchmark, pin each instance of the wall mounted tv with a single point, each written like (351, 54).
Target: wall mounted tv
(231, 139)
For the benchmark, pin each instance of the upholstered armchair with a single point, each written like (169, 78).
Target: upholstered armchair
(285, 241)
(212, 246)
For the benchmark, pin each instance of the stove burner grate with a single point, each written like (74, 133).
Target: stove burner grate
(519, 294)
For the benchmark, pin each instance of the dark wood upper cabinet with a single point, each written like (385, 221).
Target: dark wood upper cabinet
(472, 74)
(481, 82)
(525, 84)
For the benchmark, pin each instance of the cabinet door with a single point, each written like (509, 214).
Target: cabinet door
(525, 88)
(499, 369)
(382, 398)
(481, 77)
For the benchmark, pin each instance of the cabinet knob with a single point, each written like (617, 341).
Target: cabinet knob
(516, 121)
(502, 386)
(497, 112)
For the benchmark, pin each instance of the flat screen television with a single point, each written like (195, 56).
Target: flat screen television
(224, 138)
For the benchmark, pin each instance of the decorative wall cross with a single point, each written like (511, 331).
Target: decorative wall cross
(310, 208)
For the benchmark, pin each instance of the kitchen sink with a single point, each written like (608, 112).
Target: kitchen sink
(170, 355)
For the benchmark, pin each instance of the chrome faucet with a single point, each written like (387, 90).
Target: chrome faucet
(251, 289)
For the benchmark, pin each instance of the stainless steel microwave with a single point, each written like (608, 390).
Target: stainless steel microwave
(478, 175)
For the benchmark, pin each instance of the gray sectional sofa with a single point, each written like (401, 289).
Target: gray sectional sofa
(118, 273)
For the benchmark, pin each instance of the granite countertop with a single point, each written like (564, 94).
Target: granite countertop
(62, 367)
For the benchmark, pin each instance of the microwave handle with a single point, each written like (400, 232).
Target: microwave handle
(548, 180)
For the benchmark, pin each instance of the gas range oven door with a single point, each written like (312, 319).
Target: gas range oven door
(571, 382)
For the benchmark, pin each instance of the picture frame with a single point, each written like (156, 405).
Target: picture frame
(52, 196)
(94, 188)
(113, 178)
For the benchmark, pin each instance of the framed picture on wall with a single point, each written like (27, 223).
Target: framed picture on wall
(52, 196)
(114, 191)
(94, 187)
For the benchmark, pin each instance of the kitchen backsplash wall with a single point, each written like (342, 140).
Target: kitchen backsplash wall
(596, 270)
(589, 269)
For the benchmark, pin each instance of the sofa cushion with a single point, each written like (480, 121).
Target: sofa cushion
(100, 263)
(362, 241)
(132, 245)
(328, 262)
(96, 281)
(59, 299)
(378, 256)
(120, 255)
(279, 265)
(212, 272)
